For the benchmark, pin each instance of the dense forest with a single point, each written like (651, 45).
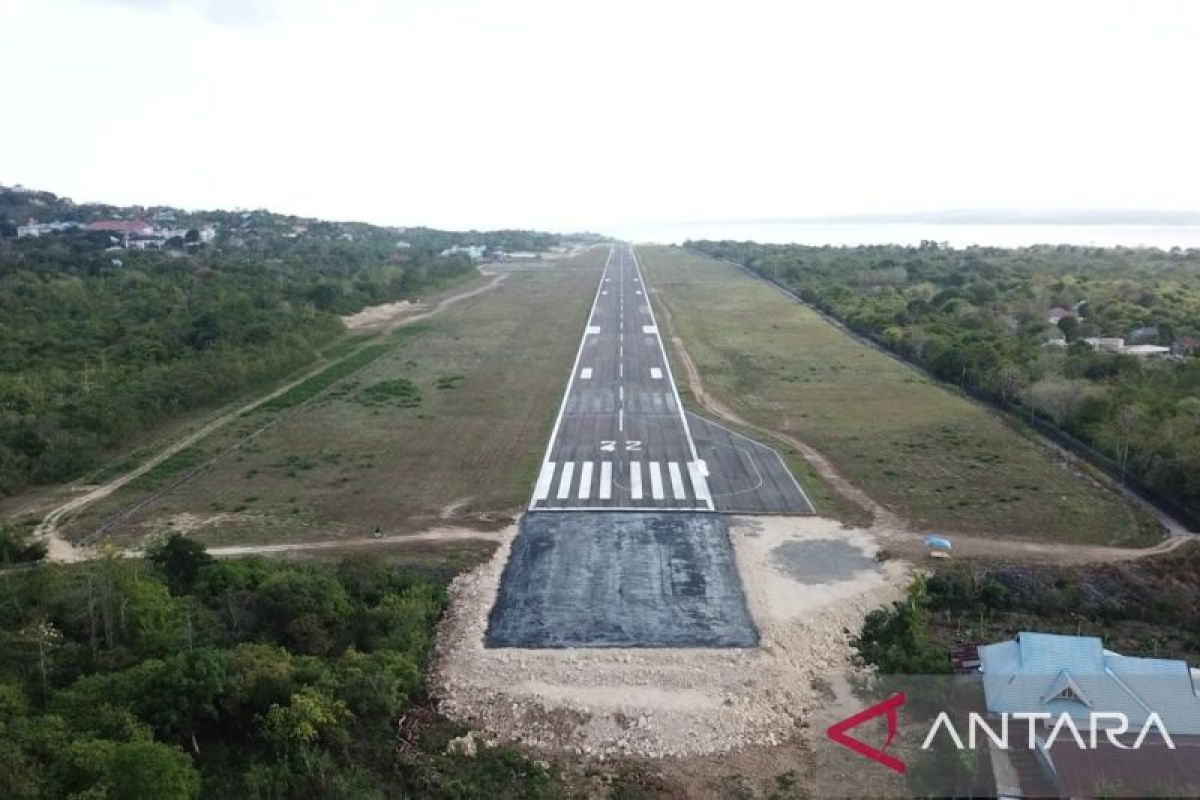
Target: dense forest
(1011, 327)
(99, 340)
(180, 676)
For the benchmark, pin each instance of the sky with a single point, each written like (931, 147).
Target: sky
(567, 115)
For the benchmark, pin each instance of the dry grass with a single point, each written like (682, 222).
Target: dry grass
(937, 459)
(462, 446)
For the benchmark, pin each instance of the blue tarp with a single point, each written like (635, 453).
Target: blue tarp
(939, 542)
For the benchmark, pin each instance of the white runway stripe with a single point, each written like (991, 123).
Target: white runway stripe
(649, 329)
(676, 481)
(585, 373)
(564, 480)
(656, 489)
(635, 480)
(542, 489)
(696, 470)
(656, 373)
(585, 481)
(605, 480)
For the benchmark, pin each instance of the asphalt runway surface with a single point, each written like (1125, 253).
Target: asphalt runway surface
(622, 439)
(621, 579)
(621, 546)
(746, 476)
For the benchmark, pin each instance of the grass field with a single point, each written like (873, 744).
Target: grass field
(937, 459)
(445, 424)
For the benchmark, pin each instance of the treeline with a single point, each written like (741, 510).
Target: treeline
(980, 318)
(98, 342)
(96, 345)
(184, 677)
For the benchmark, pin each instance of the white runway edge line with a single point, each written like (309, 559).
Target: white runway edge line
(562, 407)
(667, 366)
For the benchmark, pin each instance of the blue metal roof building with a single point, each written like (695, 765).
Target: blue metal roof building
(1050, 673)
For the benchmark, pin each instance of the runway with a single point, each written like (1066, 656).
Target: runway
(643, 558)
(622, 440)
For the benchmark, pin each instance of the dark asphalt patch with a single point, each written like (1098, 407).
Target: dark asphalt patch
(621, 579)
(816, 561)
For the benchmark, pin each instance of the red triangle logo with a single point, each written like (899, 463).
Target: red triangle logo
(890, 707)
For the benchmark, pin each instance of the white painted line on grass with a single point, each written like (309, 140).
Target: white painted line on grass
(656, 489)
(697, 471)
(635, 480)
(606, 480)
(542, 490)
(676, 481)
(585, 481)
(564, 480)
(656, 373)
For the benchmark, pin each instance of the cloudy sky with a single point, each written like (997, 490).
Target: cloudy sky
(562, 114)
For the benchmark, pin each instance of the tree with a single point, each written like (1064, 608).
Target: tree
(180, 560)
(141, 770)
(17, 547)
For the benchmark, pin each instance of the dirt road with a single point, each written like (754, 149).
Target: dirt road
(60, 550)
(893, 531)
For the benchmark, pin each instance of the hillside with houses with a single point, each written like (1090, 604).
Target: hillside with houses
(113, 319)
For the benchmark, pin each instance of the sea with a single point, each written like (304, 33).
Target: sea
(912, 233)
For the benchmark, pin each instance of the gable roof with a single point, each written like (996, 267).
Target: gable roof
(1028, 674)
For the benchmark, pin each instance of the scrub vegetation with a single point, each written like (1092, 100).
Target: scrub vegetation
(100, 341)
(1011, 327)
(184, 677)
(939, 460)
(372, 458)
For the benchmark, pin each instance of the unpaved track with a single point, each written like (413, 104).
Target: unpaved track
(60, 550)
(890, 527)
(435, 535)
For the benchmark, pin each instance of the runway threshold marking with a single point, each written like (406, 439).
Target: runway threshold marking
(676, 481)
(656, 484)
(585, 481)
(696, 471)
(542, 490)
(635, 480)
(564, 481)
(605, 480)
